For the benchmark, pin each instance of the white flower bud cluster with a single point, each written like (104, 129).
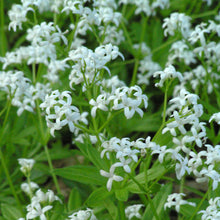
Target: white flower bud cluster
(88, 63)
(169, 72)
(18, 12)
(177, 22)
(42, 49)
(61, 112)
(17, 15)
(22, 92)
(29, 188)
(197, 77)
(26, 165)
(180, 50)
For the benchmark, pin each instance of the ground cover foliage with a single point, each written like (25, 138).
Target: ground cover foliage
(109, 109)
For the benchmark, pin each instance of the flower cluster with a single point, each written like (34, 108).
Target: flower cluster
(126, 152)
(22, 93)
(61, 112)
(42, 49)
(40, 204)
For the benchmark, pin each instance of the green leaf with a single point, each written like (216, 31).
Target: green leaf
(97, 197)
(10, 212)
(164, 139)
(55, 154)
(111, 207)
(187, 210)
(75, 200)
(158, 201)
(82, 174)
(122, 194)
(156, 39)
(91, 153)
(57, 212)
(149, 123)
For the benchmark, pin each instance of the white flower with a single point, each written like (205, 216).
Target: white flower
(199, 34)
(124, 163)
(182, 167)
(212, 154)
(35, 210)
(143, 6)
(100, 103)
(161, 151)
(61, 112)
(75, 6)
(17, 15)
(133, 211)
(107, 15)
(177, 22)
(214, 175)
(169, 72)
(176, 200)
(129, 99)
(212, 211)
(26, 165)
(83, 215)
(178, 123)
(197, 136)
(111, 176)
(215, 117)
(29, 188)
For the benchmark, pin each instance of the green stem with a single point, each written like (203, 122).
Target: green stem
(10, 181)
(44, 141)
(127, 36)
(199, 205)
(29, 184)
(205, 14)
(162, 46)
(84, 129)
(34, 72)
(109, 119)
(95, 34)
(123, 63)
(165, 102)
(121, 210)
(35, 18)
(135, 70)
(55, 18)
(8, 106)
(148, 197)
(2, 32)
(134, 75)
(51, 169)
